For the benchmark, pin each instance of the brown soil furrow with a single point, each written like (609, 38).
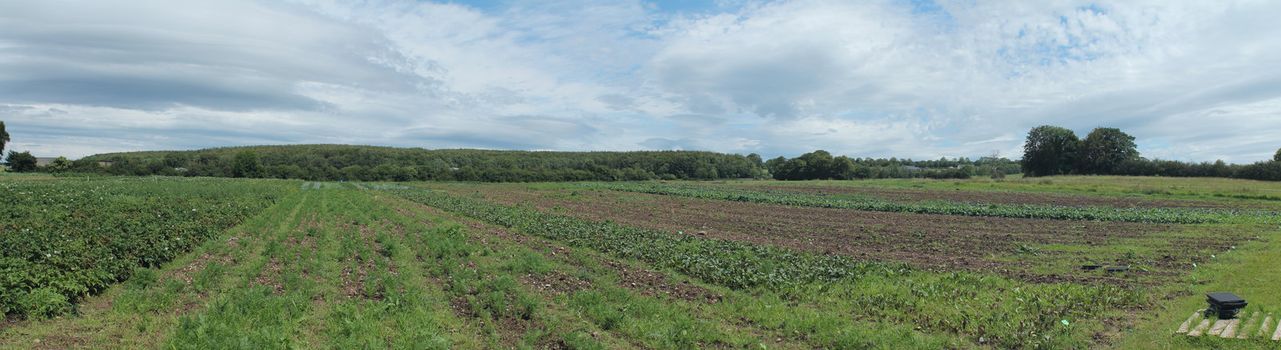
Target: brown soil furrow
(555, 282)
(1001, 197)
(270, 276)
(360, 265)
(930, 241)
(200, 263)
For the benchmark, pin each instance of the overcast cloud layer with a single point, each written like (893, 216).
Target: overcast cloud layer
(920, 79)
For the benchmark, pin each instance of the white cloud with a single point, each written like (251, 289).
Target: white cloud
(1192, 81)
(978, 72)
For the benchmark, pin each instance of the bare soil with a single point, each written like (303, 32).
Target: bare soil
(270, 276)
(905, 195)
(555, 282)
(200, 263)
(936, 242)
(651, 283)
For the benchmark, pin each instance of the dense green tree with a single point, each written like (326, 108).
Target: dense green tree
(1049, 150)
(705, 170)
(1220, 169)
(842, 168)
(814, 165)
(821, 165)
(246, 164)
(59, 165)
(175, 160)
(817, 165)
(1269, 171)
(1275, 158)
(1104, 149)
(774, 165)
(4, 138)
(22, 161)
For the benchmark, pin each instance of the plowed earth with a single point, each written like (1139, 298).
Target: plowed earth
(935, 242)
(904, 195)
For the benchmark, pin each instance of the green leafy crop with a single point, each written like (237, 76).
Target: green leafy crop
(63, 240)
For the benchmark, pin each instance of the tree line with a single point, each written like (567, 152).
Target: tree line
(1052, 150)
(1048, 150)
(820, 165)
(372, 163)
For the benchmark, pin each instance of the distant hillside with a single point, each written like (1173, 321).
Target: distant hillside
(372, 163)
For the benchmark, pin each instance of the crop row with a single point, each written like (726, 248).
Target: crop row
(732, 264)
(988, 309)
(1028, 211)
(60, 241)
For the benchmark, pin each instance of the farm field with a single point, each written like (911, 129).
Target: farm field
(727, 264)
(1218, 191)
(64, 238)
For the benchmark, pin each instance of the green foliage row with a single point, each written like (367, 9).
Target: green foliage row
(728, 263)
(1029, 211)
(986, 309)
(62, 240)
(370, 163)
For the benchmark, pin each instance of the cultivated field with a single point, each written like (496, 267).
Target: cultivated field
(108, 262)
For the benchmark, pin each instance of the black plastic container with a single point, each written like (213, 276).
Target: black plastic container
(1224, 304)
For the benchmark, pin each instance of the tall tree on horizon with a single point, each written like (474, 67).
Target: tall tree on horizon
(22, 162)
(4, 137)
(1104, 149)
(1049, 150)
(1276, 157)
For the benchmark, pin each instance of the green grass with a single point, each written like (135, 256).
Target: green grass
(1251, 271)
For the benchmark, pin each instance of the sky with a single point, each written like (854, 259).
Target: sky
(1192, 80)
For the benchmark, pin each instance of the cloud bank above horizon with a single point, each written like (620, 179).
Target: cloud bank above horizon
(910, 79)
